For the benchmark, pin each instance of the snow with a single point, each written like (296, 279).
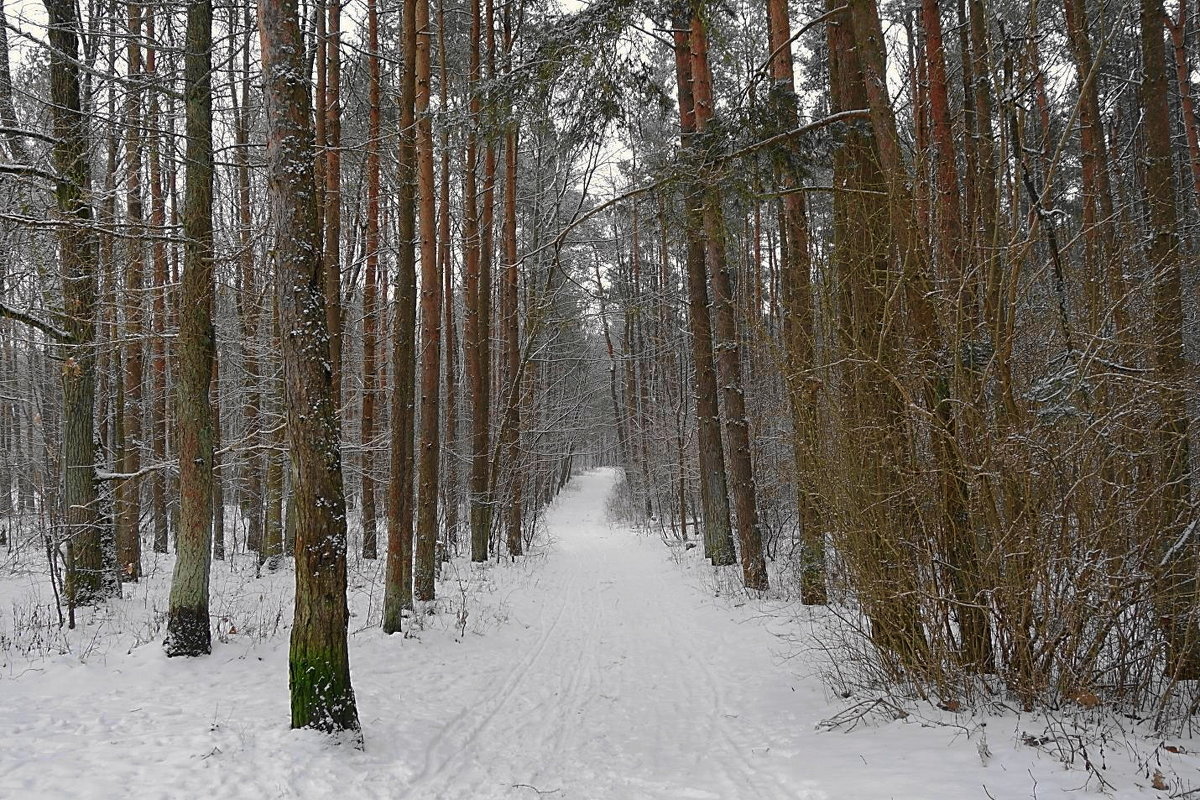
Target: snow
(606, 665)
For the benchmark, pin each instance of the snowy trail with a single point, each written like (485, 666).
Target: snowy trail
(622, 690)
(599, 669)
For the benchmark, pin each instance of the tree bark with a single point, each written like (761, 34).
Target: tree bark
(725, 340)
(128, 490)
(1178, 592)
(797, 310)
(873, 218)
(370, 547)
(475, 328)
(188, 630)
(510, 327)
(958, 389)
(397, 594)
(248, 304)
(158, 361)
(424, 564)
(714, 495)
(451, 472)
(319, 665)
(78, 257)
(332, 165)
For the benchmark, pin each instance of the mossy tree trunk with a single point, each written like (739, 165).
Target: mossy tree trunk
(188, 629)
(319, 664)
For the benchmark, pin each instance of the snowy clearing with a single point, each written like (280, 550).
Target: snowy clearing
(601, 667)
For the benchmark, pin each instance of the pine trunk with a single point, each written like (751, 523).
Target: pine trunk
(370, 547)
(725, 339)
(397, 594)
(319, 666)
(475, 328)
(429, 447)
(714, 495)
(128, 490)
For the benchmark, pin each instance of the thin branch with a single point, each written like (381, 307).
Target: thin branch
(47, 328)
(824, 122)
(797, 189)
(27, 134)
(805, 28)
(25, 169)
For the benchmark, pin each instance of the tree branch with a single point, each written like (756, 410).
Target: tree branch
(47, 328)
(25, 169)
(824, 122)
(27, 134)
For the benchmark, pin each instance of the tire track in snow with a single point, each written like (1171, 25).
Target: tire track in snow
(493, 705)
(750, 772)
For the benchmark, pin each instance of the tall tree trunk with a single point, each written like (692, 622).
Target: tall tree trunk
(714, 495)
(424, 563)
(798, 314)
(959, 386)
(370, 547)
(481, 412)
(1178, 592)
(397, 592)
(249, 306)
(873, 219)
(725, 339)
(128, 490)
(475, 329)
(332, 163)
(78, 257)
(510, 325)
(188, 632)
(158, 362)
(319, 664)
(451, 473)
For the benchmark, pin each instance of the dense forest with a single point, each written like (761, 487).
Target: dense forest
(889, 309)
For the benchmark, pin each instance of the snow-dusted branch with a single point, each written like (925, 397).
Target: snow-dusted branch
(54, 332)
(27, 134)
(25, 169)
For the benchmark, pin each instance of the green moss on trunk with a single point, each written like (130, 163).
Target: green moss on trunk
(322, 697)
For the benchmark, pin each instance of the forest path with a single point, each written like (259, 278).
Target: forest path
(627, 684)
(602, 667)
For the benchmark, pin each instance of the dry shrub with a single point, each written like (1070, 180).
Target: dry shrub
(1006, 528)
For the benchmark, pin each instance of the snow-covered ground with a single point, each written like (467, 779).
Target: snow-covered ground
(603, 666)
